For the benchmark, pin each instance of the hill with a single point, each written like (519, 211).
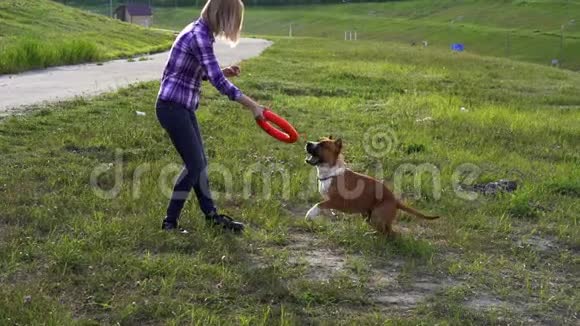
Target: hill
(41, 33)
(521, 30)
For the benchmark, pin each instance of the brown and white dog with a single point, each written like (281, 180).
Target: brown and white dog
(351, 192)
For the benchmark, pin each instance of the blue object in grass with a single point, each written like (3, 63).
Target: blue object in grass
(457, 47)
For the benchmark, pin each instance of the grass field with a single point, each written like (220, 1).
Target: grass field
(520, 30)
(68, 256)
(39, 33)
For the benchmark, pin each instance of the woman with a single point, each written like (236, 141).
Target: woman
(192, 60)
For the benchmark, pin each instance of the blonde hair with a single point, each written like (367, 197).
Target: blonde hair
(225, 18)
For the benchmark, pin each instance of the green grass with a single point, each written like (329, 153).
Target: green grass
(510, 258)
(531, 28)
(39, 33)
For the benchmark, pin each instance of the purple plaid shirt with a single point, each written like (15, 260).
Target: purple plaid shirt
(192, 60)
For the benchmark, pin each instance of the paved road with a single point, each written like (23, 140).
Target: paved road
(60, 83)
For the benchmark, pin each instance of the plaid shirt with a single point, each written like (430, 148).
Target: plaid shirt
(192, 60)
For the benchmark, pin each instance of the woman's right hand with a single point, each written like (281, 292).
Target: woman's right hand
(258, 112)
(256, 109)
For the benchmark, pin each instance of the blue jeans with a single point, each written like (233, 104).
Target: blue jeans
(181, 125)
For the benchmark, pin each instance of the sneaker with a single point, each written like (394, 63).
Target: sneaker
(225, 221)
(172, 226)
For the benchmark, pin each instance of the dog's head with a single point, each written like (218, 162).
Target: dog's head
(324, 152)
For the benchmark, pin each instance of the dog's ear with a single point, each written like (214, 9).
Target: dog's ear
(330, 137)
(338, 144)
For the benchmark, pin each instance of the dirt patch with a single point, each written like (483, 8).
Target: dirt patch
(484, 302)
(388, 289)
(321, 263)
(487, 302)
(538, 243)
(304, 249)
(384, 277)
(390, 285)
(400, 299)
(431, 286)
(407, 295)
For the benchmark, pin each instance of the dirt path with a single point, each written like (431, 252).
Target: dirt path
(35, 87)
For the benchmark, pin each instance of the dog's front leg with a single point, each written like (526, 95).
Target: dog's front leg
(322, 208)
(313, 212)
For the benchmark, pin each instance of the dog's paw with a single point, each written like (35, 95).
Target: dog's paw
(312, 213)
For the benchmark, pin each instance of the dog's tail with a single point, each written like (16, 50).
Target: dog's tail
(415, 212)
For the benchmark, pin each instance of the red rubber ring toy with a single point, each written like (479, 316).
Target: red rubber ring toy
(288, 133)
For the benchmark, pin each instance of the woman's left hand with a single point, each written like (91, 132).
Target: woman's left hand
(232, 71)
